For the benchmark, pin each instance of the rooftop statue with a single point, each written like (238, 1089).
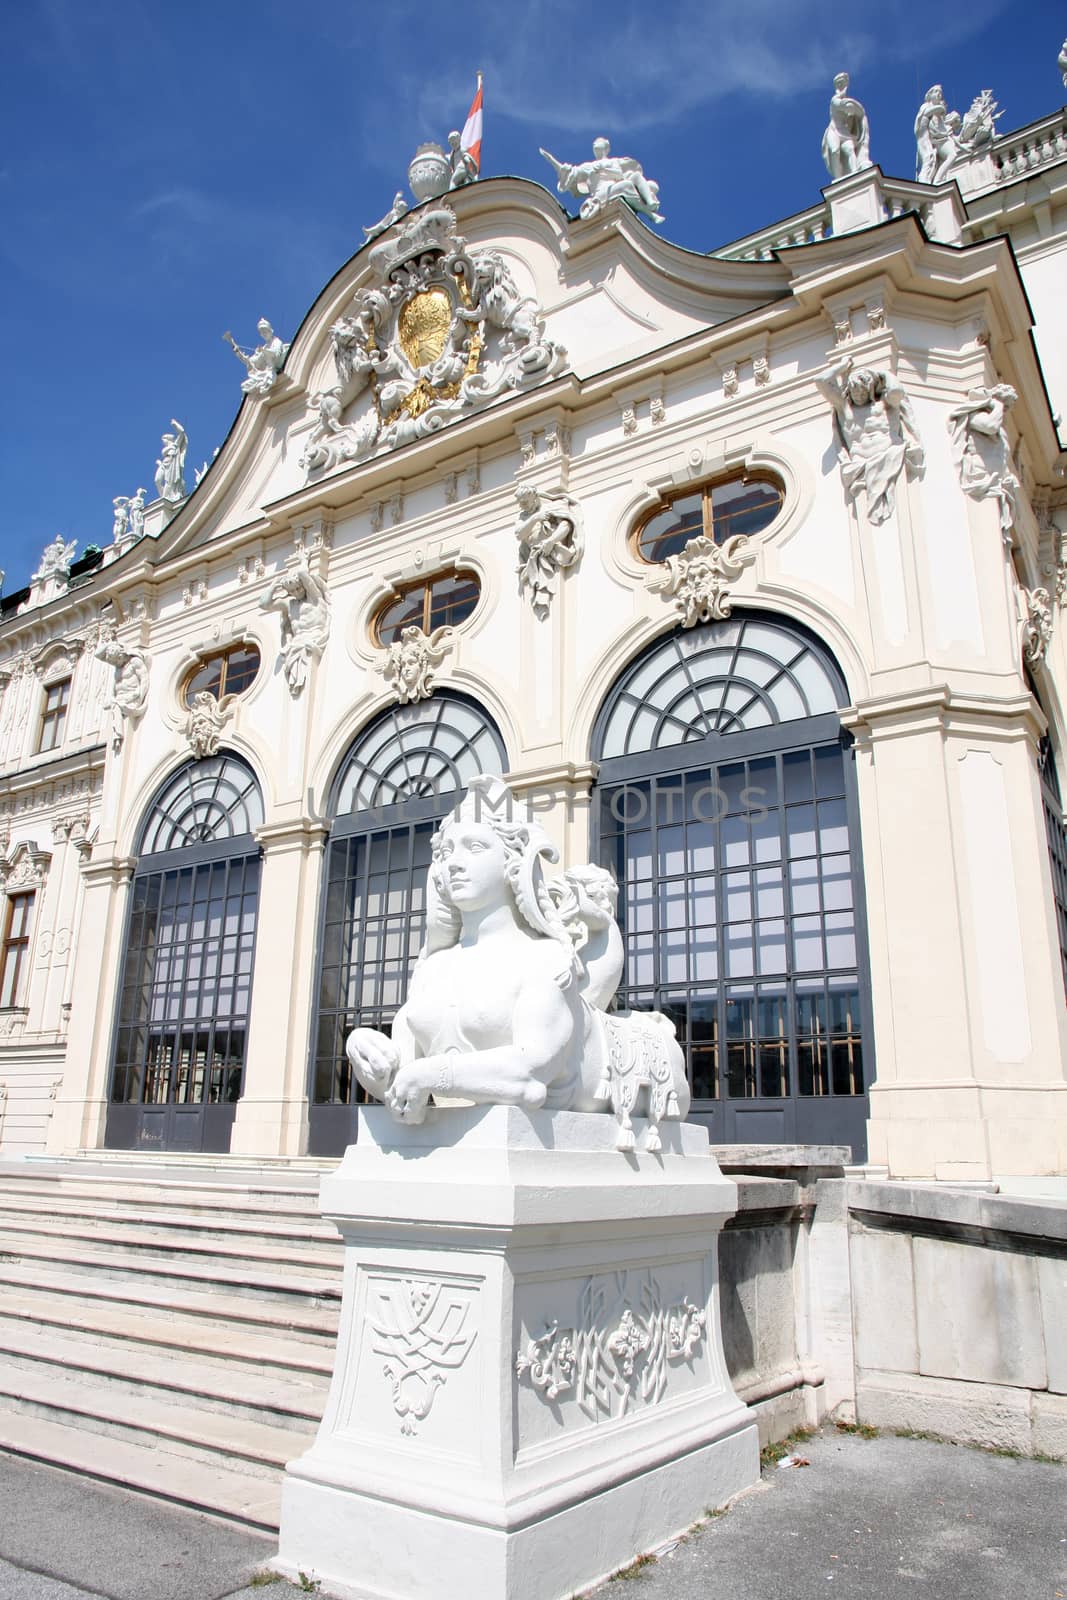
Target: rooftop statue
(52, 577)
(464, 167)
(137, 514)
(595, 183)
(507, 1003)
(943, 138)
(170, 468)
(846, 144)
(395, 212)
(1061, 62)
(121, 525)
(264, 362)
(876, 429)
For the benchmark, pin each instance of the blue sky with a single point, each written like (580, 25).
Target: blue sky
(168, 172)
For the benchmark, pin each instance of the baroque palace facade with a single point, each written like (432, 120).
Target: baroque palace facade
(746, 570)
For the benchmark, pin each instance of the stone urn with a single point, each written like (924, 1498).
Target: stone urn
(430, 172)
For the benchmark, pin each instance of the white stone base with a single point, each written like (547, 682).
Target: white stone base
(443, 1469)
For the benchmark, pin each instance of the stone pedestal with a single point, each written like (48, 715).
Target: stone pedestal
(529, 1386)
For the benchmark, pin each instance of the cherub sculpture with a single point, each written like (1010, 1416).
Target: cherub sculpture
(507, 1001)
(595, 183)
(846, 144)
(876, 429)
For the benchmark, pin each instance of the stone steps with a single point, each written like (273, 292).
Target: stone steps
(239, 1497)
(173, 1336)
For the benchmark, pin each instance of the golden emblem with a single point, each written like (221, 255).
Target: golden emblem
(423, 326)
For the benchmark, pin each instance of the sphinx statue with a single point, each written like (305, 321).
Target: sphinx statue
(507, 1002)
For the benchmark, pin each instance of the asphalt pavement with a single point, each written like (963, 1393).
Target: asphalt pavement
(865, 1519)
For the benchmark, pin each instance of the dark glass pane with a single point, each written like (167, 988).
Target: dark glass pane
(740, 507)
(671, 530)
(452, 600)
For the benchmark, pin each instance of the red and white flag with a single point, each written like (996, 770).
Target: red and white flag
(470, 139)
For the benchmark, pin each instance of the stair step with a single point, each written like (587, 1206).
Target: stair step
(300, 1227)
(27, 1232)
(260, 1448)
(255, 1281)
(252, 1502)
(281, 1401)
(219, 1309)
(117, 1327)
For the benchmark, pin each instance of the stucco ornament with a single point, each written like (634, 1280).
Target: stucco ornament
(203, 728)
(438, 331)
(303, 604)
(129, 692)
(982, 451)
(1037, 624)
(876, 429)
(596, 183)
(410, 661)
(551, 535)
(846, 144)
(262, 364)
(170, 468)
(507, 1000)
(698, 578)
(943, 138)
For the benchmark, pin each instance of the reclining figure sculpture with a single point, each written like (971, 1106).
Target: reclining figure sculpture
(507, 1002)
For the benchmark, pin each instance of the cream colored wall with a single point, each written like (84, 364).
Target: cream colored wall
(918, 612)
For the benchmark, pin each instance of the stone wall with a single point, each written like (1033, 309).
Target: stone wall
(960, 1311)
(921, 1308)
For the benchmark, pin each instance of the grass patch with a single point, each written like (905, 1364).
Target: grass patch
(774, 1452)
(1006, 1452)
(638, 1566)
(260, 1579)
(307, 1585)
(861, 1430)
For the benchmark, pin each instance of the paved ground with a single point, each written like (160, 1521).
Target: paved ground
(878, 1519)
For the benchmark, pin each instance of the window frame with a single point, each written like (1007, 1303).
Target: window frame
(16, 947)
(457, 572)
(53, 718)
(706, 490)
(222, 655)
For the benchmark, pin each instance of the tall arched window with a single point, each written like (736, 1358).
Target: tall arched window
(727, 813)
(404, 772)
(185, 991)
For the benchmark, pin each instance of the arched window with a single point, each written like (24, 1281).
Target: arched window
(404, 773)
(1056, 834)
(727, 813)
(185, 991)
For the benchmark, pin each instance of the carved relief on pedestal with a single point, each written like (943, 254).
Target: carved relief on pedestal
(551, 535)
(698, 578)
(410, 661)
(425, 1329)
(440, 331)
(620, 1348)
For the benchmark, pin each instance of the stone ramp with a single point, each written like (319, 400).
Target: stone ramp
(166, 1330)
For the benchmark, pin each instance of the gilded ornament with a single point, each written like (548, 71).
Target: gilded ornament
(423, 327)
